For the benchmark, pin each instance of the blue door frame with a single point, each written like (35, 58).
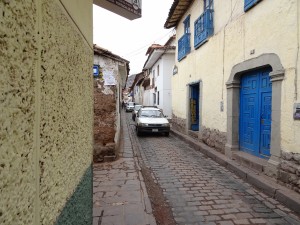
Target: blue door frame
(194, 106)
(255, 113)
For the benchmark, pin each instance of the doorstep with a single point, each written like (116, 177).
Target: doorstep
(252, 162)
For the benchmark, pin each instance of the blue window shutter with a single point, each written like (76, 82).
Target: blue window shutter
(204, 28)
(184, 45)
(187, 24)
(249, 4)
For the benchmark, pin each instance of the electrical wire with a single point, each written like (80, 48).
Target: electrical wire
(140, 49)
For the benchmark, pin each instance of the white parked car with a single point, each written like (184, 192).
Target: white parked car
(129, 106)
(135, 111)
(151, 120)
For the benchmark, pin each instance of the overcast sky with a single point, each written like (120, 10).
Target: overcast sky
(130, 39)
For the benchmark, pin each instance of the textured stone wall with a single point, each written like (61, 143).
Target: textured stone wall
(178, 124)
(107, 119)
(66, 110)
(289, 170)
(46, 108)
(105, 98)
(214, 138)
(18, 51)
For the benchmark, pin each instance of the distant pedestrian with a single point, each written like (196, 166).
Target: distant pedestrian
(123, 104)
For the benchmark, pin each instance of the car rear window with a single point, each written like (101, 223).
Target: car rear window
(151, 113)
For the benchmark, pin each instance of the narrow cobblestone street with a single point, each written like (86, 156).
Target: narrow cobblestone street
(200, 191)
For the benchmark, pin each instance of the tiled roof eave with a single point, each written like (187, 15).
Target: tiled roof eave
(177, 10)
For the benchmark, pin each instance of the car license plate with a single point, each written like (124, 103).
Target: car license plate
(154, 130)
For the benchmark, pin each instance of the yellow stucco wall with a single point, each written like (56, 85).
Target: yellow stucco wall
(269, 27)
(17, 112)
(46, 108)
(83, 20)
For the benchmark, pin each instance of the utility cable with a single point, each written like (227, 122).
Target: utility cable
(137, 51)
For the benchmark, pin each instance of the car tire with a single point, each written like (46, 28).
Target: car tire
(167, 134)
(138, 133)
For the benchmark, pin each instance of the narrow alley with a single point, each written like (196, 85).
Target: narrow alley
(219, 79)
(200, 191)
(196, 189)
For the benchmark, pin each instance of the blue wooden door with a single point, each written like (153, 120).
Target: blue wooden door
(194, 107)
(255, 113)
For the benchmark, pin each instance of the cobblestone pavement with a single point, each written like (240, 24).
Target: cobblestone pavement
(120, 198)
(119, 192)
(200, 191)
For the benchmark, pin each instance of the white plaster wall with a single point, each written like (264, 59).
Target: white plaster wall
(167, 100)
(147, 98)
(269, 27)
(159, 83)
(107, 64)
(136, 90)
(163, 82)
(140, 94)
(149, 93)
(168, 61)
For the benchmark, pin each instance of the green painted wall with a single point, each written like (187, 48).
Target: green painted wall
(78, 209)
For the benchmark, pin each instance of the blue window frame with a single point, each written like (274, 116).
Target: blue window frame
(184, 45)
(187, 25)
(204, 27)
(248, 4)
(208, 4)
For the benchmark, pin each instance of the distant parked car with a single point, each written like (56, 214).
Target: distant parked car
(151, 120)
(129, 106)
(135, 111)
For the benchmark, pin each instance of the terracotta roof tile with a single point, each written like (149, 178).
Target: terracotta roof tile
(177, 10)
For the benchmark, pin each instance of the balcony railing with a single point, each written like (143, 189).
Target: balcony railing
(204, 28)
(184, 46)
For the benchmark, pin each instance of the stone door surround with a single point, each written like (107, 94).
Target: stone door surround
(233, 100)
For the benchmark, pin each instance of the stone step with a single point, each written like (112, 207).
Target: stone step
(252, 162)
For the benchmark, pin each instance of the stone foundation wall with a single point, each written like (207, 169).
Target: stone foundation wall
(289, 170)
(214, 138)
(178, 124)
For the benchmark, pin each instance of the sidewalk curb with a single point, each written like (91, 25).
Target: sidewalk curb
(146, 200)
(266, 184)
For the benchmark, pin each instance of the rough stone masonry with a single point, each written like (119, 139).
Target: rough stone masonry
(104, 120)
